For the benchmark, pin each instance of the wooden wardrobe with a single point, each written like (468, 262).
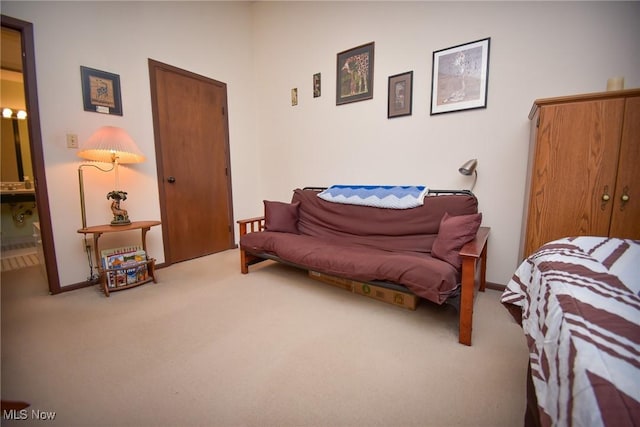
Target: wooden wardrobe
(583, 176)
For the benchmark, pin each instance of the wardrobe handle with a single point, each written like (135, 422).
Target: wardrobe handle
(604, 199)
(624, 199)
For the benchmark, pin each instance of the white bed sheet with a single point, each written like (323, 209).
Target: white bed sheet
(580, 301)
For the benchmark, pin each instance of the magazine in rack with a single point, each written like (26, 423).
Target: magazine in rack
(124, 266)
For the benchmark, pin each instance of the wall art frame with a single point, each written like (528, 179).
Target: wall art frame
(354, 74)
(460, 77)
(101, 91)
(400, 95)
(317, 85)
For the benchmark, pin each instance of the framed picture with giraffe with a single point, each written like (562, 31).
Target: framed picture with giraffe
(354, 74)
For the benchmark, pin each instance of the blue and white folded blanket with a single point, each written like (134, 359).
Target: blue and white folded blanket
(379, 196)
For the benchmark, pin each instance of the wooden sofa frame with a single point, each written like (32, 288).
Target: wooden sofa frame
(474, 264)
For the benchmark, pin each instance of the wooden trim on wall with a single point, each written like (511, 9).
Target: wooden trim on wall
(35, 145)
(496, 286)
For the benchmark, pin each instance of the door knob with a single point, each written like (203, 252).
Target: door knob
(625, 197)
(171, 180)
(605, 197)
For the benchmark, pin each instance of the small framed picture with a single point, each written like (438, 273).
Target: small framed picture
(459, 77)
(354, 74)
(101, 91)
(316, 85)
(400, 95)
(294, 96)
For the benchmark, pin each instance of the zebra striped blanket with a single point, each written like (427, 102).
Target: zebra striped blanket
(580, 301)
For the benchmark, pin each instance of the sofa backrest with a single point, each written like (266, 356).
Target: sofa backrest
(413, 229)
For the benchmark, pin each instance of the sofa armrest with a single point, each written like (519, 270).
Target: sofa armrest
(471, 253)
(475, 247)
(251, 225)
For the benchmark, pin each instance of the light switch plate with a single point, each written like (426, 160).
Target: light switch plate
(72, 140)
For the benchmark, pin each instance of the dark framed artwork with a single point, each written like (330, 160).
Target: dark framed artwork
(316, 85)
(459, 77)
(400, 95)
(101, 91)
(354, 74)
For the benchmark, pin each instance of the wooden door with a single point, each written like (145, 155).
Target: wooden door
(625, 218)
(192, 153)
(575, 163)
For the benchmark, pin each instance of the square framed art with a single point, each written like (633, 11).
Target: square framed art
(459, 77)
(101, 91)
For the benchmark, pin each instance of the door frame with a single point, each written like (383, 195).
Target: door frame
(35, 145)
(153, 66)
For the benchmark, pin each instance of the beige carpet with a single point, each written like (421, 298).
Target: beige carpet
(207, 346)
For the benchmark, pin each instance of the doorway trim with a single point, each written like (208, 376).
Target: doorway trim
(35, 145)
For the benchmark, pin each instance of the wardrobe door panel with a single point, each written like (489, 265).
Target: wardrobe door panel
(625, 218)
(574, 171)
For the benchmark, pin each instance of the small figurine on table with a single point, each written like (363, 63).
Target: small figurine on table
(120, 216)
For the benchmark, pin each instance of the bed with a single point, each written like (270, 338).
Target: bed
(578, 302)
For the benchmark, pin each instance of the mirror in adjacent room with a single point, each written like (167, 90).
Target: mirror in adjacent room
(16, 156)
(18, 208)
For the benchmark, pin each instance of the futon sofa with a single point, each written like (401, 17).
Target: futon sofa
(436, 250)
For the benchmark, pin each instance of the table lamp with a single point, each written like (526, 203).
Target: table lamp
(109, 144)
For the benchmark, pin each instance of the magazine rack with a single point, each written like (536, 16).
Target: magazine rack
(99, 230)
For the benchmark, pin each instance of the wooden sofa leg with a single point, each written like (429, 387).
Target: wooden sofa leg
(244, 265)
(466, 300)
(483, 268)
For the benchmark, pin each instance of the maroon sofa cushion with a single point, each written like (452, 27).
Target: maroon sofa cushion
(281, 217)
(365, 243)
(454, 232)
(408, 230)
(424, 275)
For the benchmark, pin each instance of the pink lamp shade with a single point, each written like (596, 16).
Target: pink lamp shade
(109, 143)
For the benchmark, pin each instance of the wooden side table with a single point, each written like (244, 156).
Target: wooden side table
(99, 230)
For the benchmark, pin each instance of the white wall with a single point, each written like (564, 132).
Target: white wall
(538, 49)
(263, 49)
(209, 38)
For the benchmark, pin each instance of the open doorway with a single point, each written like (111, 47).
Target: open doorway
(18, 208)
(24, 189)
